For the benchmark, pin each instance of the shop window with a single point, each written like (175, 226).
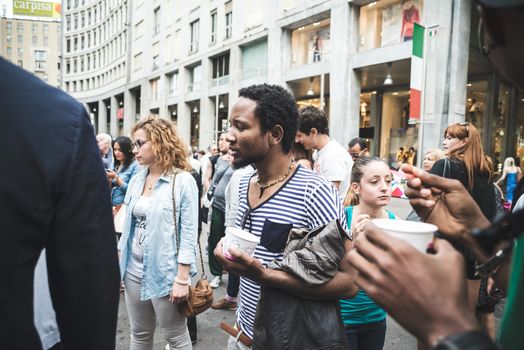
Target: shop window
(254, 60)
(476, 105)
(388, 22)
(395, 130)
(499, 127)
(519, 134)
(310, 43)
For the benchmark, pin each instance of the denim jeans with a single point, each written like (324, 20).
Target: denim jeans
(368, 336)
(233, 283)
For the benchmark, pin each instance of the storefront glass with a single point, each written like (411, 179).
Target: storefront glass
(368, 119)
(388, 22)
(499, 127)
(395, 130)
(519, 133)
(308, 43)
(476, 105)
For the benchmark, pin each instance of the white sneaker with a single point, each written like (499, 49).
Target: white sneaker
(216, 282)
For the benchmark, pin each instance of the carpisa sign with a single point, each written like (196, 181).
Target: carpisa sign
(36, 8)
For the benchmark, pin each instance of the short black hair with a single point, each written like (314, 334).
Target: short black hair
(311, 117)
(358, 140)
(275, 106)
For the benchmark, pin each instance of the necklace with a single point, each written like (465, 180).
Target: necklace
(274, 182)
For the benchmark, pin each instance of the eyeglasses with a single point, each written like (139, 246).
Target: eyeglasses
(356, 155)
(467, 127)
(138, 144)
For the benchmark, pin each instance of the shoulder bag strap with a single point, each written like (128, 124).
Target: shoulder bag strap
(447, 166)
(177, 236)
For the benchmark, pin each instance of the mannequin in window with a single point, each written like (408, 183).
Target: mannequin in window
(410, 15)
(317, 47)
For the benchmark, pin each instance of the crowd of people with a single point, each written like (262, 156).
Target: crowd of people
(275, 173)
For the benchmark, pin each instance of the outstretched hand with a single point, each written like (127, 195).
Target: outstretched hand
(413, 287)
(445, 203)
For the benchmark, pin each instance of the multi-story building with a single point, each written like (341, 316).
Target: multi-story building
(186, 60)
(31, 41)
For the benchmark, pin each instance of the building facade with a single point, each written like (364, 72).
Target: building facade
(32, 42)
(186, 60)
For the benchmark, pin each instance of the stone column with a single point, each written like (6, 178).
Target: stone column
(206, 109)
(113, 117)
(129, 112)
(102, 117)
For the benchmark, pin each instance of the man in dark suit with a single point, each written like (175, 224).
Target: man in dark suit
(54, 195)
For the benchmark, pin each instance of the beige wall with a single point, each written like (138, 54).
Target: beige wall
(50, 72)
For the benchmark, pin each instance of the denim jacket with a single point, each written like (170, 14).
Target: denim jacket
(119, 192)
(160, 252)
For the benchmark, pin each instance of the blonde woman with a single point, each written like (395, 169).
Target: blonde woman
(157, 260)
(431, 157)
(511, 173)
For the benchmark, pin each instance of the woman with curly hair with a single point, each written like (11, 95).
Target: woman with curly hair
(158, 253)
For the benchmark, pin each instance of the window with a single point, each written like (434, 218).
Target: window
(46, 41)
(68, 45)
(213, 27)
(154, 89)
(21, 63)
(20, 52)
(388, 22)
(195, 74)
(137, 61)
(156, 62)
(310, 42)
(8, 38)
(254, 60)
(229, 24)
(40, 60)
(8, 51)
(35, 40)
(156, 20)
(195, 30)
(75, 44)
(173, 84)
(139, 29)
(20, 39)
(34, 28)
(68, 67)
(68, 23)
(75, 21)
(20, 26)
(220, 68)
(9, 27)
(46, 28)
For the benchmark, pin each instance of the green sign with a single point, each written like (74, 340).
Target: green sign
(36, 8)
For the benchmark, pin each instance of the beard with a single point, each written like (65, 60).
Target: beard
(239, 163)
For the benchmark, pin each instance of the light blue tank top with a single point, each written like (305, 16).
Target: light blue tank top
(360, 309)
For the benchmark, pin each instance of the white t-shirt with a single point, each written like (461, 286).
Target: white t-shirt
(136, 261)
(334, 163)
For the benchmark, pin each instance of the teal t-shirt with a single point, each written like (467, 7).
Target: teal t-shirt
(360, 309)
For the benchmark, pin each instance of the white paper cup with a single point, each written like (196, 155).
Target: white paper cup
(239, 239)
(419, 234)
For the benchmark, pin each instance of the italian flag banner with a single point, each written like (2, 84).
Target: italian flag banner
(417, 74)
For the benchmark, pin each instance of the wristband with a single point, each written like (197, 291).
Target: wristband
(182, 282)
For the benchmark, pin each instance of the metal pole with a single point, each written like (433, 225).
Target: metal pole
(216, 111)
(322, 80)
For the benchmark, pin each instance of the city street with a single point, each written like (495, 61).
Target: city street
(211, 336)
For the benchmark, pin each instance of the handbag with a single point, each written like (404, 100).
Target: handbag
(201, 295)
(120, 219)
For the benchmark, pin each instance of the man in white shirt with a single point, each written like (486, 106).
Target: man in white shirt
(330, 159)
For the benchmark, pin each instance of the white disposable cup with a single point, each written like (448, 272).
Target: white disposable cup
(239, 239)
(418, 234)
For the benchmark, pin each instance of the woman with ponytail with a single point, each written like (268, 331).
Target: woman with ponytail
(370, 191)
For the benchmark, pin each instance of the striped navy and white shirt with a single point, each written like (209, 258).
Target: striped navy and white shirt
(306, 200)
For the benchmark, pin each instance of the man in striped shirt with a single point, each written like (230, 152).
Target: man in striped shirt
(279, 196)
